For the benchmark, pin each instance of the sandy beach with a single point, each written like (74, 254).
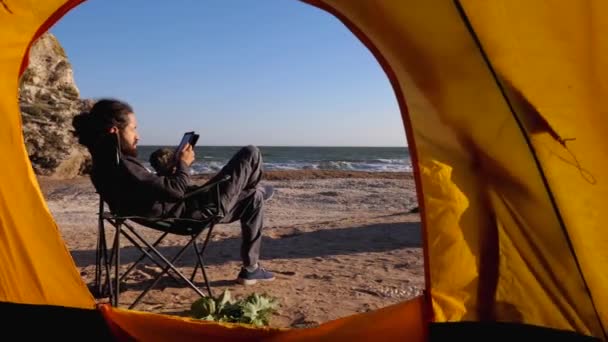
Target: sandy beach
(339, 243)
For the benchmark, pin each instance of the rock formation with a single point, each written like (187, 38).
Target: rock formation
(49, 99)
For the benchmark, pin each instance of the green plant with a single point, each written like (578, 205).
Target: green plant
(254, 309)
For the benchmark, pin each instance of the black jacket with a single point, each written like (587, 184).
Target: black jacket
(130, 189)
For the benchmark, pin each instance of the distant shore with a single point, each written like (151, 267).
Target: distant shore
(327, 174)
(46, 181)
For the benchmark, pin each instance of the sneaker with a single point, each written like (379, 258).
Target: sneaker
(250, 278)
(267, 192)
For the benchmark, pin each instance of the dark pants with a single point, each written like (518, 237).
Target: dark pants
(241, 200)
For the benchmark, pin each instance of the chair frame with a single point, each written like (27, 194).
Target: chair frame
(105, 260)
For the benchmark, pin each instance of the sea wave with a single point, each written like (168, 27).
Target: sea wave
(379, 165)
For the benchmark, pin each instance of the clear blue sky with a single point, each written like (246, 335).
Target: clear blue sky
(267, 72)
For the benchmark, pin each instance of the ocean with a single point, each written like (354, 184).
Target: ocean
(210, 159)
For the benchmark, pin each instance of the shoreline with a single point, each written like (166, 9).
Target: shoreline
(326, 174)
(50, 181)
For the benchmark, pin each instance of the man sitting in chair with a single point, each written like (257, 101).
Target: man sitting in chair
(109, 132)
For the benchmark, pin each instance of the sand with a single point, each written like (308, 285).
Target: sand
(339, 243)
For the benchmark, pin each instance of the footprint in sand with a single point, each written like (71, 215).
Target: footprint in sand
(316, 276)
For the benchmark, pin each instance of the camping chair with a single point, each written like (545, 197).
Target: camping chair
(190, 228)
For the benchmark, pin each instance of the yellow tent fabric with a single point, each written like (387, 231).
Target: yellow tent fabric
(497, 245)
(502, 101)
(400, 322)
(36, 265)
(558, 74)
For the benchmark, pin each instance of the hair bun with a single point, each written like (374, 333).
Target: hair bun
(83, 127)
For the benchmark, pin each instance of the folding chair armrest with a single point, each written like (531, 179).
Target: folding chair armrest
(168, 217)
(108, 215)
(207, 187)
(165, 224)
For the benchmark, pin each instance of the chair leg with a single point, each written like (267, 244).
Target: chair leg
(103, 265)
(169, 265)
(198, 261)
(193, 275)
(98, 267)
(113, 261)
(98, 251)
(115, 224)
(107, 267)
(117, 264)
(200, 257)
(145, 253)
(202, 263)
(108, 287)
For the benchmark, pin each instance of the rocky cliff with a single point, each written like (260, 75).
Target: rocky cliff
(49, 99)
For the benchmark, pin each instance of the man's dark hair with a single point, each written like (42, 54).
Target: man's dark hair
(92, 130)
(91, 127)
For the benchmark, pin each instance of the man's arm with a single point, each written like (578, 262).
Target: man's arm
(164, 188)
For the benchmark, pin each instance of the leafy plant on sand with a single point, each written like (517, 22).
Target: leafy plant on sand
(254, 309)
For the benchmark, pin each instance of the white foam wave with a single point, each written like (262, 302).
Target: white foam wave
(378, 165)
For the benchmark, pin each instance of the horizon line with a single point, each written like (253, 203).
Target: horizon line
(156, 145)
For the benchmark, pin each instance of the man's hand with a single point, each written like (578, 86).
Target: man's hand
(187, 154)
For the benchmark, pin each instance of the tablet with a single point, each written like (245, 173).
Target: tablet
(188, 138)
